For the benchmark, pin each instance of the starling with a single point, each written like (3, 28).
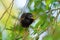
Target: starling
(26, 19)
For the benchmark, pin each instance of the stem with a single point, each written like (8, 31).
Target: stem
(5, 10)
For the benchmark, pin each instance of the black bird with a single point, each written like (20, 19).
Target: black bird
(26, 19)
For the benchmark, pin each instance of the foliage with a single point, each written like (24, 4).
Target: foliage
(42, 10)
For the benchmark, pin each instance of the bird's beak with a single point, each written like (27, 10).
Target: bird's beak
(32, 18)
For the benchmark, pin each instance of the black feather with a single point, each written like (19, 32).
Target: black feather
(26, 19)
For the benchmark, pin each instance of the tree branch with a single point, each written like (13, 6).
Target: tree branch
(5, 10)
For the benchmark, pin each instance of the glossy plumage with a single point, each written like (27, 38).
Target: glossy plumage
(26, 19)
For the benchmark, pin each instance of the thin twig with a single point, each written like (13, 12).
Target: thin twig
(10, 12)
(55, 20)
(6, 11)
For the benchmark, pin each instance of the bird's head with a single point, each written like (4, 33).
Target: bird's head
(26, 19)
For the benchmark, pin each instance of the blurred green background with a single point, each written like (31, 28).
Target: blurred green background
(45, 12)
